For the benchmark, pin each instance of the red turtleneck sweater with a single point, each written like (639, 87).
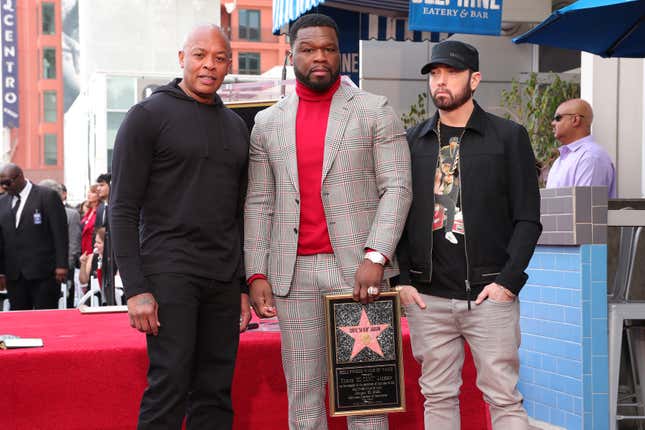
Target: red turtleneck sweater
(311, 129)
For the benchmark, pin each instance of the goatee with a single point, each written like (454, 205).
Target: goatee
(451, 103)
(318, 86)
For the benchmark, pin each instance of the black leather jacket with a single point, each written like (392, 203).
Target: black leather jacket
(499, 196)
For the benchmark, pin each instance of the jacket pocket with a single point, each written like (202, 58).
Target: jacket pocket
(485, 274)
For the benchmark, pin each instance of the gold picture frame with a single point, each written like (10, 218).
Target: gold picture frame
(364, 355)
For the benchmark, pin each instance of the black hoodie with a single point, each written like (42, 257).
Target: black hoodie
(178, 179)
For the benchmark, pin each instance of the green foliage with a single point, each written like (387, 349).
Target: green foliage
(533, 104)
(417, 113)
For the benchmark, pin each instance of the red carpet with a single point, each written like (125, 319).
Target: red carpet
(91, 374)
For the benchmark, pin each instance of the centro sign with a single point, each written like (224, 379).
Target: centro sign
(9, 64)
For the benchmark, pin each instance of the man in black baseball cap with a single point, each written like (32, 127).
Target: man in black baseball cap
(475, 187)
(454, 76)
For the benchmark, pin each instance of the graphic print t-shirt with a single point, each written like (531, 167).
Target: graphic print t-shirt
(448, 250)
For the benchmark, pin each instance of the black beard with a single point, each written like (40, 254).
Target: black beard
(320, 87)
(454, 103)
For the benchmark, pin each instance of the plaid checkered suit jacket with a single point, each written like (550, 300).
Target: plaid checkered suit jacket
(366, 185)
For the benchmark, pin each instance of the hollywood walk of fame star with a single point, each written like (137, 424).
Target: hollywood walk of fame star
(365, 335)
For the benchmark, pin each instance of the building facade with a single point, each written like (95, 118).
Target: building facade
(36, 144)
(255, 49)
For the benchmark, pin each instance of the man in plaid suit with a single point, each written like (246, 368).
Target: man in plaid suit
(329, 191)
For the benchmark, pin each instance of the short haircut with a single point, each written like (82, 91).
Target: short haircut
(104, 177)
(213, 27)
(311, 20)
(52, 185)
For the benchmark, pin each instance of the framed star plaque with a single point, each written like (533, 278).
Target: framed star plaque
(365, 359)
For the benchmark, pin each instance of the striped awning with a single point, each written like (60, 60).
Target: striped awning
(397, 8)
(285, 11)
(379, 27)
(378, 19)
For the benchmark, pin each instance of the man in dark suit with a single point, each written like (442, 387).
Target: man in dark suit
(74, 235)
(33, 242)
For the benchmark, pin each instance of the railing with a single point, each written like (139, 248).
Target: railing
(264, 35)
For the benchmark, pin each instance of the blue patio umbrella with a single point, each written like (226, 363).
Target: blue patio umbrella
(609, 28)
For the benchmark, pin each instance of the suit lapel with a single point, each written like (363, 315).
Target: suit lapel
(27, 208)
(8, 220)
(9, 199)
(338, 119)
(287, 135)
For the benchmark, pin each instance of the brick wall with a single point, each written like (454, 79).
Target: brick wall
(573, 216)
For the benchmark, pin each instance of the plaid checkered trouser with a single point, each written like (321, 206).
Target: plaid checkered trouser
(304, 351)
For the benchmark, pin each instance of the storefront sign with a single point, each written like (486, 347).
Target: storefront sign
(456, 16)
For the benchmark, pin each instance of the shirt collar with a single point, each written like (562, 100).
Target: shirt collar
(25, 191)
(475, 122)
(307, 93)
(575, 145)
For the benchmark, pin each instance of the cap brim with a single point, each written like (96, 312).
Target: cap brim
(448, 61)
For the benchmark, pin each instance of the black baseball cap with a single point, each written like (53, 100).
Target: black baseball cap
(453, 53)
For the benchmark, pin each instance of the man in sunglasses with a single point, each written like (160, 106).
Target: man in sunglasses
(582, 161)
(33, 242)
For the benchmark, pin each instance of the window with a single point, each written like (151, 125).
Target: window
(114, 120)
(49, 106)
(249, 63)
(558, 60)
(48, 18)
(49, 63)
(249, 24)
(50, 147)
(121, 95)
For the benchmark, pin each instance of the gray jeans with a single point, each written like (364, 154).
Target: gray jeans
(492, 330)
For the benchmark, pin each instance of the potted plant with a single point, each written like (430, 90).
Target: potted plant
(532, 103)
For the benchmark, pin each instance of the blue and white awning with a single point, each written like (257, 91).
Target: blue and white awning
(285, 11)
(379, 27)
(376, 19)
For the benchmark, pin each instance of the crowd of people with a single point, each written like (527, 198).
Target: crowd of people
(50, 249)
(328, 195)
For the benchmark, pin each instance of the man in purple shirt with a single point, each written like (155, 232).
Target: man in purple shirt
(582, 161)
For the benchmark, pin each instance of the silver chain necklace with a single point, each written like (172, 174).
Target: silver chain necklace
(455, 161)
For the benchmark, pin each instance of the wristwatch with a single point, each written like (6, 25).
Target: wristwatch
(375, 257)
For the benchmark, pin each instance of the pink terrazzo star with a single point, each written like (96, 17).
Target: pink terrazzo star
(365, 335)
